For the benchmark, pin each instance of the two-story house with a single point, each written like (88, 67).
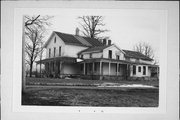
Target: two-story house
(68, 54)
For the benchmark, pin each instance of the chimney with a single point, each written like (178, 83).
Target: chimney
(77, 31)
(104, 42)
(109, 42)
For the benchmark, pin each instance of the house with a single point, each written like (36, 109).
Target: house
(89, 58)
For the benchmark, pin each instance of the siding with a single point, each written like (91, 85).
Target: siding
(115, 51)
(72, 50)
(51, 45)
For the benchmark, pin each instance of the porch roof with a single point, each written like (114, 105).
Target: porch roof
(63, 59)
(104, 60)
(115, 61)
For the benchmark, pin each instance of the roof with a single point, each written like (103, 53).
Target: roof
(76, 40)
(137, 55)
(61, 58)
(94, 49)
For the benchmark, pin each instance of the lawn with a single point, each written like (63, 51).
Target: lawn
(91, 97)
(80, 82)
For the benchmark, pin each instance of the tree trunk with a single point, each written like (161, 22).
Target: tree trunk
(31, 65)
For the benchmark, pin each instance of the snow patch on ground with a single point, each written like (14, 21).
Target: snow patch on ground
(125, 85)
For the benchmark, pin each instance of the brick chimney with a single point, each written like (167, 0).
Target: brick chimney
(104, 42)
(109, 42)
(77, 31)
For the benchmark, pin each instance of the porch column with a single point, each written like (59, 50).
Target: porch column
(60, 67)
(109, 68)
(93, 68)
(84, 68)
(117, 68)
(36, 70)
(100, 65)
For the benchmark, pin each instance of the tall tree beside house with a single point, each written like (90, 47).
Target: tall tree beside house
(146, 49)
(35, 29)
(92, 26)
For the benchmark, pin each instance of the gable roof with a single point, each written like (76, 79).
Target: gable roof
(137, 55)
(75, 40)
(99, 48)
(94, 49)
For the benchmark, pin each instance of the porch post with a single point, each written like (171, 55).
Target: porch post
(60, 66)
(93, 67)
(36, 70)
(117, 69)
(84, 68)
(109, 68)
(100, 70)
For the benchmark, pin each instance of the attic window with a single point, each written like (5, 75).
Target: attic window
(117, 57)
(55, 40)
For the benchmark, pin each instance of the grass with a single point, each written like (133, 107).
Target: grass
(91, 97)
(80, 82)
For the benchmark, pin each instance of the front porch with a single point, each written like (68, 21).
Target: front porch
(104, 69)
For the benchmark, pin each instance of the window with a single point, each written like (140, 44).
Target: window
(53, 66)
(139, 69)
(59, 51)
(54, 51)
(90, 55)
(55, 40)
(110, 54)
(49, 52)
(81, 57)
(134, 69)
(119, 68)
(90, 67)
(144, 70)
(117, 57)
(82, 67)
(95, 66)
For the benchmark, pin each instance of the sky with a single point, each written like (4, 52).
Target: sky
(126, 27)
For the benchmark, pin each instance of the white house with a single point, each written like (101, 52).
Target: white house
(74, 55)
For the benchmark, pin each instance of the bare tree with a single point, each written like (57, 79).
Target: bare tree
(35, 30)
(92, 26)
(146, 49)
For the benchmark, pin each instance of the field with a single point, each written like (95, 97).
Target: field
(74, 92)
(92, 97)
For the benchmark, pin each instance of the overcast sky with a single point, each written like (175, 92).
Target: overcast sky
(126, 28)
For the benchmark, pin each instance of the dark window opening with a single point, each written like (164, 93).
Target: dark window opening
(54, 51)
(59, 51)
(55, 40)
(49, 52)
(134, 69)
(81, 56)
(95, 66)
(144, 70)
(139, 69)
(90, 55)
(117, 57)
(82, 67)
(53, 66)
(110, 54)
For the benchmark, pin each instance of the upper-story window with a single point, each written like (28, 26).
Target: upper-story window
(49, 52)
(117, 57)
(134, 69)
(139, 69)
(144, 70)
(81, 56)
(54, 51)
(55, 40)
(90, 55)
(110, 54)
(59, 50)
